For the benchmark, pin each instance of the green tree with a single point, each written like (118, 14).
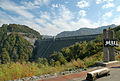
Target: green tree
(14, 56)
(5, 56)
(43, 61)
(61, 58)
(23, 56)
(52, 62)
(57, 63)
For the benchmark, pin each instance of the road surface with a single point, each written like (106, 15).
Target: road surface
(114, 76)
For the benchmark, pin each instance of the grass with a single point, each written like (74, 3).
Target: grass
(18, 70)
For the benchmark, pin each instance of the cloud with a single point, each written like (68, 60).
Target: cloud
(82, 13)
(4, 18)
(47, 23)
(50, 29)
(63, 21)
(108, 0)
(15, 8)
(106, 18)
(35, 3)
(113, 21)
(53, 25)
(45, 15)
(65, 14)
(108, 14)
(118, 8)
(98, 1)
(82, 4)
(108, 5)
(40, 21)
(83, 22)
(116, 20)
(55, 5)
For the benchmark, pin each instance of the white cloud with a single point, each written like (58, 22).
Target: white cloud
(40, 21)
(82, 13)
(116, 20)
(29, 5)
(66, 2)
(98, 1)
(59, 21)
(108, 14)
(55, 5)
(65, 14)
(118, 8)
(83, 22)
(50, 29)
(4, 18)
(15, 8)
(35, 3)
(63, 20)
(108, 0)
(104, 1)
(46, 28)
(108, 5)
(45, 15)
(82, 4)
(106, 18)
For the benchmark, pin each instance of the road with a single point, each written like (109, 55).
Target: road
(114, 76)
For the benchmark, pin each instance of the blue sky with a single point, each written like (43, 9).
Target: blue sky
(50, 17)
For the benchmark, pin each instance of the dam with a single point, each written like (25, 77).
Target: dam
(44, 48)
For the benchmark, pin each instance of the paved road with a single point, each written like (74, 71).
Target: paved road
(68, 77)
(114, 76)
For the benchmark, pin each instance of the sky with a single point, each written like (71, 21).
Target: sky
(50, 17)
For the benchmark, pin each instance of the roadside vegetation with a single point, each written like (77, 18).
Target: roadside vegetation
(11, 71)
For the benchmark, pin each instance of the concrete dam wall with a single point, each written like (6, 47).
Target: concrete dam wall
(44, 48)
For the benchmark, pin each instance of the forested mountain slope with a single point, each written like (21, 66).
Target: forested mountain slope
(13, 45)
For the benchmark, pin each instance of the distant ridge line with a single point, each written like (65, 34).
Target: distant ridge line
(78, 36)
(71, 37)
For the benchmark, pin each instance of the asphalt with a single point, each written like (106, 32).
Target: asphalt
(114, 75)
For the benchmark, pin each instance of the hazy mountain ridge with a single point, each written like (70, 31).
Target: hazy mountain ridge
(84, 31)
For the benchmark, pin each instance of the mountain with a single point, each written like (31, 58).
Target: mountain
(46, 36)
(27, 33)
(22, 29)
(15, 43)
(84, 31)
